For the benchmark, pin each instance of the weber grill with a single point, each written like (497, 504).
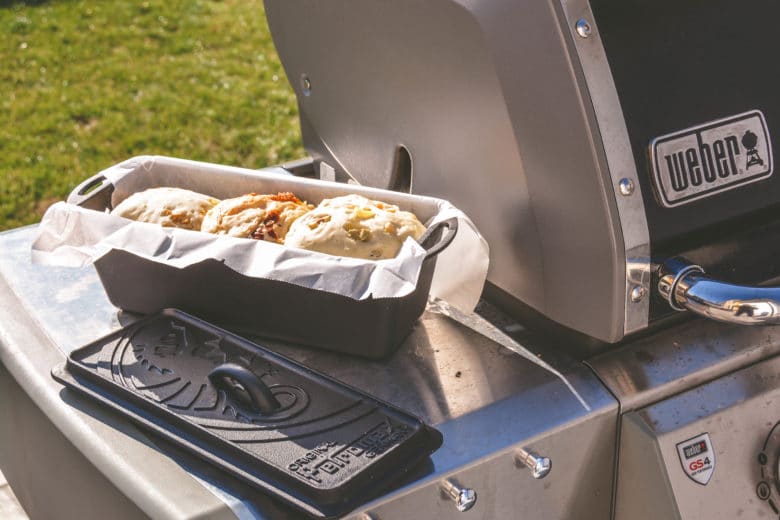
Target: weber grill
(618, 157)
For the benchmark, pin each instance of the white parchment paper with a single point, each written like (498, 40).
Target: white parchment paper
(70, 235)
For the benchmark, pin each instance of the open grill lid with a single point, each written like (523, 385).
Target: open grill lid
(588, 141)
(309, 440)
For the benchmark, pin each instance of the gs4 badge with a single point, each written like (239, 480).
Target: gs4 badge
(706, 159)
(697, 458)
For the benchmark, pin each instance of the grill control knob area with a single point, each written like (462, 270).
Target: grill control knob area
(768, 486)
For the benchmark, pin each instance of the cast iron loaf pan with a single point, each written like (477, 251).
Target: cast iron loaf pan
(300, 436)
(372, 328)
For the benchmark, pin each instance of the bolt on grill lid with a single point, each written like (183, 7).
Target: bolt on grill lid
(303, 437)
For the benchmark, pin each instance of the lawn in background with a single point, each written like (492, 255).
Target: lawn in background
(87, 84)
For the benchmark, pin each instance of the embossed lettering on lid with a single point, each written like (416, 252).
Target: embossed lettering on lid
(710, 158)
(300, 436)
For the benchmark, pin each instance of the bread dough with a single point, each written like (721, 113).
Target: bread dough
(355, 226)
(263, 217)
(169, 207)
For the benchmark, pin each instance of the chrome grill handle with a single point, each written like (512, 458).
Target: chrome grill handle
(685, 286)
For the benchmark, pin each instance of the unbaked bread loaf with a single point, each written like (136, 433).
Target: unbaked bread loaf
(351, 225)
(354, 226)
(169, 207)
(262, 217)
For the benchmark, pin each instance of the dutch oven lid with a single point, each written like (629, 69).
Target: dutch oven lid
(303, 437)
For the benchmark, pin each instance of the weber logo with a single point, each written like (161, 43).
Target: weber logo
(710, 158)
(697, 458)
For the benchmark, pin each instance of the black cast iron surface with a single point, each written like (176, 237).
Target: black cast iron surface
(370, 327)
(316, 443)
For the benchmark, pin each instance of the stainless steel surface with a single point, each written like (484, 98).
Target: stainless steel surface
(449, 375)
(31, 442)
(539, 466)
(613, 137)
(10, 508)
(680, 357)
(477, 322)
(525, 184)
(626, 187)
(504, 492)
(583, 28)
(464, 498)
(56, 446)
(738, 412)
(687, 287)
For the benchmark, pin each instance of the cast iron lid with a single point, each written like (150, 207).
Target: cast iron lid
(303, 437)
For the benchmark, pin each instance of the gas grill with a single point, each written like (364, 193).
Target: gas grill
(618, 159)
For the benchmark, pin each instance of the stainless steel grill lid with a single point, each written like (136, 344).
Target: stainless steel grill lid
(309, 440)
(589, 140)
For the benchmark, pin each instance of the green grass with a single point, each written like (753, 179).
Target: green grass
(87, 84)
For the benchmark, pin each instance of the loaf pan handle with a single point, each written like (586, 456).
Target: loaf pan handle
(263, 401)
(685, 286)
(432, 240)
(93, 193)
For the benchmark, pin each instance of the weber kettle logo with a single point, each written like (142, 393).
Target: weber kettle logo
(749, 141)
(706, 159)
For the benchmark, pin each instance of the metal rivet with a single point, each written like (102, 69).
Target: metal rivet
(306, 85)
(464, 498)
(583, 28)
(626, 187)
(638, 293)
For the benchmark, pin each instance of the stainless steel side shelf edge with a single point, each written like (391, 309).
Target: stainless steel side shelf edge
(488, 402)
(581, 25)
(656, 367)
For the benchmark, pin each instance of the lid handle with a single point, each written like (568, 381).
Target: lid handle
(685, 286)
(237, 381)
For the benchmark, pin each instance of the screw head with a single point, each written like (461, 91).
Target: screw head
(638, 293)
(626, 187)
(306, 85)
(541, 467)
(466, 499)
(583, 28)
